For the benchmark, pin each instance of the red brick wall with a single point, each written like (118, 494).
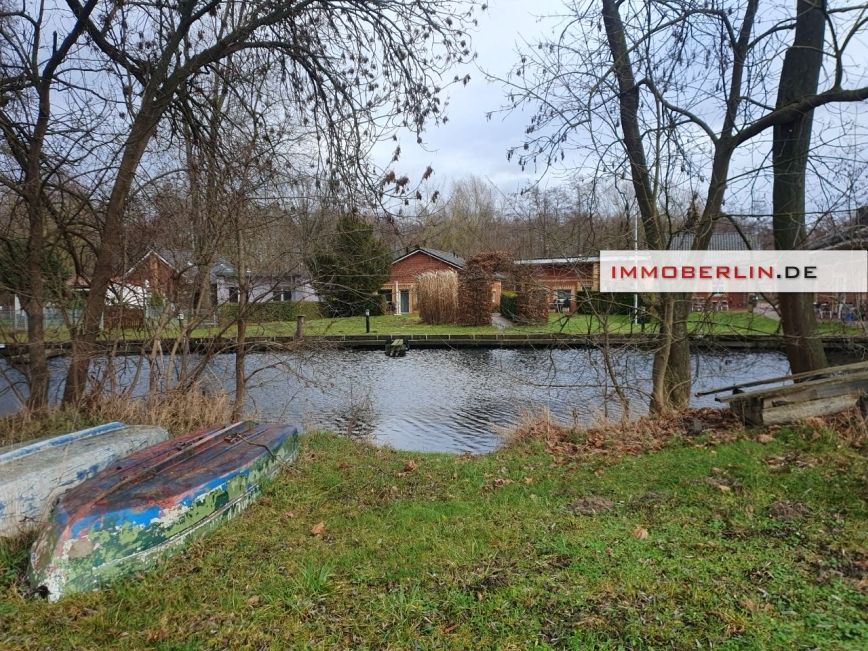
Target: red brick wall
(582, 273)
(416, 263)
(155, 271)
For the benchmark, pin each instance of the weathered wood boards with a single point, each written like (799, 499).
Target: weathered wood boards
(151, 503)
(830, 391)
(33, 474)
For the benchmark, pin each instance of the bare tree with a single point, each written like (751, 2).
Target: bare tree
(346, 68)
(800, 76)
(652, 80)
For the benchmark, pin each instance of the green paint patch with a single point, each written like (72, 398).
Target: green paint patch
(494, 552)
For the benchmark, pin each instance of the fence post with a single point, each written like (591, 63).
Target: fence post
(299, 326)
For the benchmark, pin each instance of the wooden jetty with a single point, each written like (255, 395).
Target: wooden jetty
(396, 348)
(814, 393)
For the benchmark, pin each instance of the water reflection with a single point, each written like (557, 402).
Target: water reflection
(443, 400)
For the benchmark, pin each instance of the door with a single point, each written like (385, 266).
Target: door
(405, 301)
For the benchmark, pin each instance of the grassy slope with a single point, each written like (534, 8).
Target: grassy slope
(485, 553)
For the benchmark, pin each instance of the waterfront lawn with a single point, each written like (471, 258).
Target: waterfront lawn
(711, 323)
(744, 545)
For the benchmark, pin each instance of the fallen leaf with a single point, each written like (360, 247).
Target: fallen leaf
(289, 515)
(343, 465)
(528, 480)
(410, 466)
(765, 438)
(723, 488)
(640, 532)
(317, 529)
(253, 600)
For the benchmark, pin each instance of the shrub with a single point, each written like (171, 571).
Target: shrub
(532, 304)
(508, 304)
(437, 296)
(474, 297)
(270, 311)
(605, 303)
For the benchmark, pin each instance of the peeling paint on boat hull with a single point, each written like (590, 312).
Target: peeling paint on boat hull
(91, 545)
(33, 475)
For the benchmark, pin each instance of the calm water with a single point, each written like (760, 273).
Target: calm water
(444, 400)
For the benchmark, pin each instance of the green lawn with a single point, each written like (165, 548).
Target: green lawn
(742, 323)
(748, 546)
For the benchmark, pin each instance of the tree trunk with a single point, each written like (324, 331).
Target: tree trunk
(790, 147)
(671, 372)
(240, 373)
(34, 306)
(34, 303)
(84, 342)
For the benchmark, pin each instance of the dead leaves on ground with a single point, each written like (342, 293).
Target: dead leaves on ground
(646, 434)
(591, 505)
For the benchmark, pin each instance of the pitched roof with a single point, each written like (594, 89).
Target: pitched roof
(579, 259)
(854, 236)
(446, 256)
(728, 241)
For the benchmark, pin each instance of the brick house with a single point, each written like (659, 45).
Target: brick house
(720, 241)
(155, 272)
(849, 237)
(400, 290)
(172, 274)
(565, 278)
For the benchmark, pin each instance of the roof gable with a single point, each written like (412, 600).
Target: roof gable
(444, 256)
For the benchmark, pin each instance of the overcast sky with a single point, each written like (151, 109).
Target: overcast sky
(468, 143)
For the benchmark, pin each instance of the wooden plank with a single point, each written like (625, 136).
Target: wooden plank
(829, 370)
(789, 413)
(855, 379)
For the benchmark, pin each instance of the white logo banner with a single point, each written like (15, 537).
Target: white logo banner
(734, 271)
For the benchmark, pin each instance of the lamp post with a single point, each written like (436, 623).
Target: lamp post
(367, 321)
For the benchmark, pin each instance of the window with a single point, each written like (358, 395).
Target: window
(233, 294)
(281, 296)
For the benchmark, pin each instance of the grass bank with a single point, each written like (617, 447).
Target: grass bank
(712, 323)
(557, 542)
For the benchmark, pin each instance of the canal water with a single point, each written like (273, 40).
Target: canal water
(444, 400)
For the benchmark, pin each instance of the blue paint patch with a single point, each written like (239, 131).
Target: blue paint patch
(81, 475)
(131, 516)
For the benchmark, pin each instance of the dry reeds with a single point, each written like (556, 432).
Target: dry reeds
(179, 412)
(437, 295)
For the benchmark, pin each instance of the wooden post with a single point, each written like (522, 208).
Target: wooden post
(299, 326)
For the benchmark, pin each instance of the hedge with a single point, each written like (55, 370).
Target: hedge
(508, 304)
(271, 311)
(605, 303)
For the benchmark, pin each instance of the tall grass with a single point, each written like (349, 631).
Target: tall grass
(437, 294)
(179, 412)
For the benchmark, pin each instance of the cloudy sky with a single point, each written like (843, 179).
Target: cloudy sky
(471, 144)
(468, 143)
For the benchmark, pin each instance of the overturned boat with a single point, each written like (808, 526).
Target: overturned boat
(33, 474)
(150, 504)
